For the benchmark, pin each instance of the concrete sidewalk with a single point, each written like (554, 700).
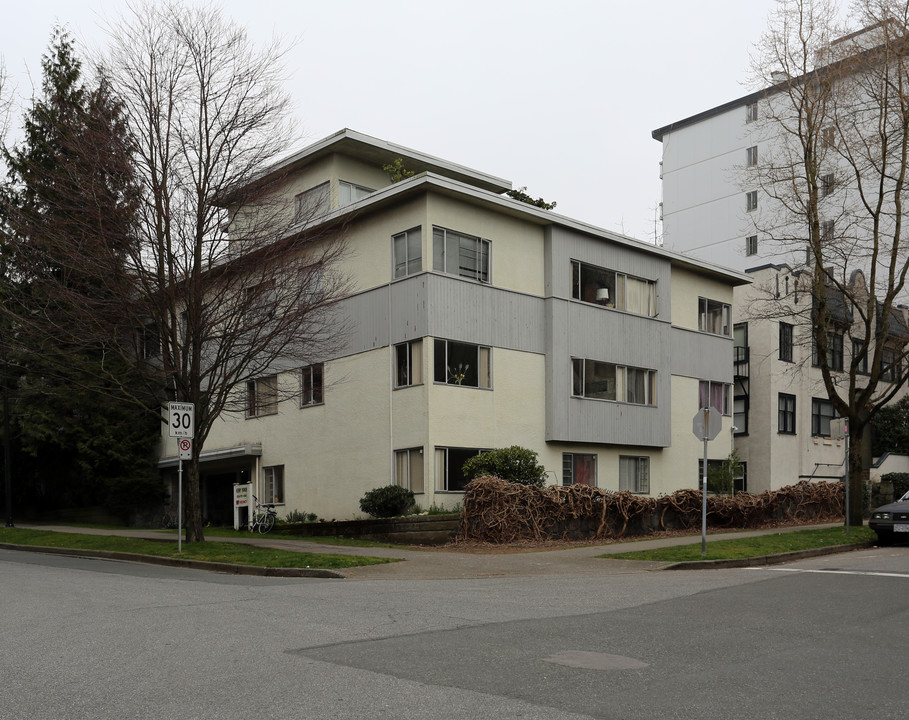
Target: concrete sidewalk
(444, 563)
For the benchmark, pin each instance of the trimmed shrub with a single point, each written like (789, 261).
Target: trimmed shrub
(388, 501)
(514, 464)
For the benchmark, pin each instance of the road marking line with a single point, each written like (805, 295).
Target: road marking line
(835, 572)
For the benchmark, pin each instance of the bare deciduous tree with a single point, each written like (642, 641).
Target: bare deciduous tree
(834, 138)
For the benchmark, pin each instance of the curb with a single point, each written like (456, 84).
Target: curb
(768, 559)
(228, 568)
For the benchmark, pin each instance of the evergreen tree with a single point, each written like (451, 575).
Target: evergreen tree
(69, 213)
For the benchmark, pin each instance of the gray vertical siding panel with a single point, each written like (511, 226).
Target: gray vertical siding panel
(699, 355)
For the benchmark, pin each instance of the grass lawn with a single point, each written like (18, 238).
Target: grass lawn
(752, 546)
(322, 540)
(236, 553)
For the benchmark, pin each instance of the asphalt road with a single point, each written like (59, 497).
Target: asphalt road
(822, 638)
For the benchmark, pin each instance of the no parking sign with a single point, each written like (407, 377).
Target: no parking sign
(186, 449)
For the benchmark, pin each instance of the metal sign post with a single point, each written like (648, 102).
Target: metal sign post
(181, 424)
(705, 425)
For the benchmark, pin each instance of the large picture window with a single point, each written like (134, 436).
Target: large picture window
(458, 254)
(409, 469)
(634, 474)
(457, 363)
(612, 289)
(606, 381)
(409, 363)
(579, 469)
(714, 317)
(449, 467)
(408, 252)
(273, 484)
(262, 396)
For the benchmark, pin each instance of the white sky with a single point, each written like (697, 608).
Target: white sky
(559, 96)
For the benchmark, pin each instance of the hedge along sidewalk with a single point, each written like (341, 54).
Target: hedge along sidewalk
(232, 557)
(767, 548)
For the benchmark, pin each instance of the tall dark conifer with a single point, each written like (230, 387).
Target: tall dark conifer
(69, 210)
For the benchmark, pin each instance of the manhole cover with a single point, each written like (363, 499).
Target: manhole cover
(595, 661)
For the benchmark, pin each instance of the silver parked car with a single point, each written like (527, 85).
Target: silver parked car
(891, 522)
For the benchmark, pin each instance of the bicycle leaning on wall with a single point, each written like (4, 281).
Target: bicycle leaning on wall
(263, 518)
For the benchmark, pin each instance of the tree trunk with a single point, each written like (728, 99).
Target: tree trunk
(856, 475)
(192, 506)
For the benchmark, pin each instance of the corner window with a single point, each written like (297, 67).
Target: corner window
(785, 342)
(312, 388)
(262, 396)
(579, 469)
(634, 474)
(612, 289)
(409, 469)
(273, 484)
(449, 467)
(714, 317)
(407, 248)
(606, 381)
(312, 203)
(786, 414)
(751, 245)
(409, 363)
(822, 413)
(458, 363)
(458, 254)
(349, 193)
(714, 395)
(751, 200)
(751, 112)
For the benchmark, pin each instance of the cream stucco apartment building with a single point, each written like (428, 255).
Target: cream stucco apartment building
(477, 322)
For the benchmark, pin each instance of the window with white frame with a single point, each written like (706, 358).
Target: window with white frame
(714, 317)
(273, 484)
(714, 395)
(409, 363)
(751, 200)
(751, 112)
(607, 381)
(409, 469)
(312, 203)
(751, 156)
(751, 245)
(449, 467)
(457, 253)
(312, 385)
(608, 288)
(407, 248)
(634, 474)
(262, 396)
(457, 363)
(579, 469)
(349, 192)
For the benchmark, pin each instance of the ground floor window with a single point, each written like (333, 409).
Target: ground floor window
(409, 469)
(579, 469)
(634, 474)
(449, 467)
(273, 484)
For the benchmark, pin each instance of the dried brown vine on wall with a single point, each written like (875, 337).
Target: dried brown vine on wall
(497, 511)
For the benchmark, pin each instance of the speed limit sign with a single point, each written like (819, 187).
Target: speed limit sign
(181, 420)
